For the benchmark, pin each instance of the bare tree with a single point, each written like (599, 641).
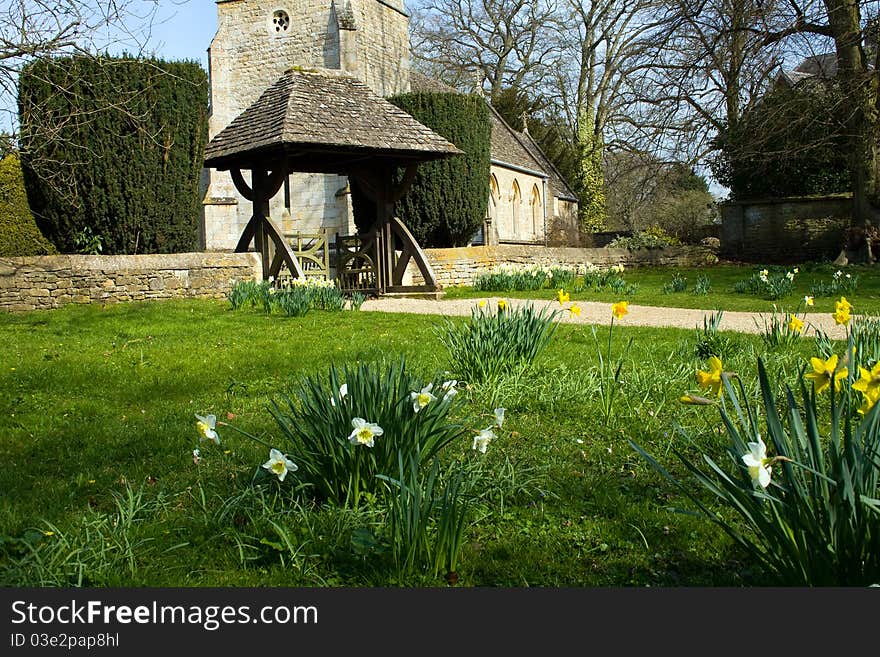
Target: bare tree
(485, 45)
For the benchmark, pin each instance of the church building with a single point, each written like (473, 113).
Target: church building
(258, 40)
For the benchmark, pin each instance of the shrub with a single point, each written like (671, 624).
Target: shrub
(447, 202)
(19, 235)
(490, 344)
(115, 145)
(653, 237)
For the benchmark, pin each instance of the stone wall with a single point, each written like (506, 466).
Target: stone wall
(43, 282)
(785, 231)
(459, 266)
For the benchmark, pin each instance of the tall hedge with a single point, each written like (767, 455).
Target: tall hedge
(19, 235)
(448, 199)
(792, 143)
(114, 147)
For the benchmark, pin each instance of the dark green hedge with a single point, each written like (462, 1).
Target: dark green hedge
(19, 235)
(113, 147)
(447, 202)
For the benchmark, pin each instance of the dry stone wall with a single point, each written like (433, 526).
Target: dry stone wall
(459, 266)
(44, 282)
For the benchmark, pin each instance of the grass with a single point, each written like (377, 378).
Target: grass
(722, 277)
(97, 428)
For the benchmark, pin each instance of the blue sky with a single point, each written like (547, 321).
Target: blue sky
(184, 29)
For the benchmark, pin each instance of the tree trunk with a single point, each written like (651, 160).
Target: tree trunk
(859, 86)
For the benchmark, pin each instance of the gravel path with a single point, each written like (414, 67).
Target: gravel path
(600, 313)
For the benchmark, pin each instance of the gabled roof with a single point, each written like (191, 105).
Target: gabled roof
(322, 120)
(508, 147)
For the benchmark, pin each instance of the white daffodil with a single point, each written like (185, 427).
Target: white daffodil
(343, 391)
(499, 417)
(482, 439)
(364, 432)
(279, 465)
(449, 389)
(207, 426)
(758, 463)
(764, 273)
(197, 456)
(422, 398)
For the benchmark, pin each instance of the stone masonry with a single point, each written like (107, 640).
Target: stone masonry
(43, 282)
(459, 266)
(256, 42)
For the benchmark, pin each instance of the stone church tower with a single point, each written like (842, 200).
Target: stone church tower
(256, 41)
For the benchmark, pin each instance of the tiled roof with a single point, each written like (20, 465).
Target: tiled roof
(558, 186)
(323, 111)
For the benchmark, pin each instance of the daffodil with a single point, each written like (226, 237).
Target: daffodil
(499, 417)
(197, 457)
(448, 388)
(482, 303)
(796, 325)
(207, 426)
(825, 372)
(574, 310)
(796, 270)
(422, 398)
(279, 465)
(843, 304)
(619, 309)
(790, 275)
(838, 274)
(482, 439)
(343, 391)
(808, 300)
(764, 273)
(563, 296)
(841, 316)
(869, 381)
(364, 432)
(711, 379)
(870, 398)
(758, 464)
(502, 304)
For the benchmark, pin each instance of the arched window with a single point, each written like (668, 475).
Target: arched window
(537, 209)
(515, 203)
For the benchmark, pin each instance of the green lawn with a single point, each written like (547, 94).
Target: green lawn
(721, 295)
(97, 428)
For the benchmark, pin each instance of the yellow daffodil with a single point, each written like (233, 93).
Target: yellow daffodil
(796, 325)
(502, 304)
(482, 303)
(563, 296)
(825, 372)
(619, 309)
(712, 378)
(871, 397)
(758, 464)
(843, 304)
(808, 300)
(841, 316)
(869, 381)
(574, 309)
